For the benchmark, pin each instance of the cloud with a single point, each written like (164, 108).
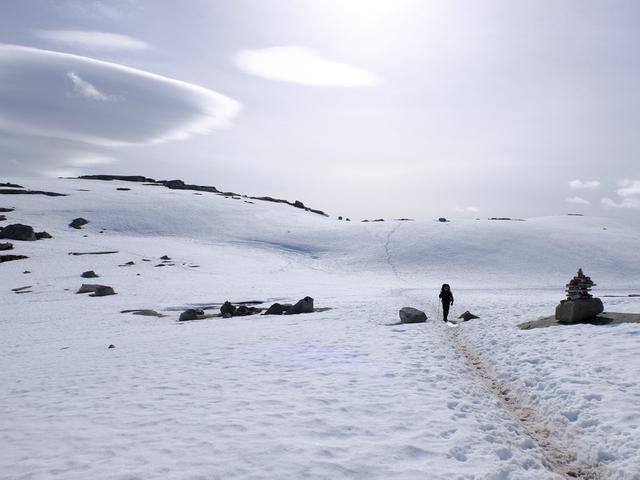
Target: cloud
(92, 40)
(83, 88)
(577, 201)
(628, 193)
(303, 66)
(584, 184)
(56, 103)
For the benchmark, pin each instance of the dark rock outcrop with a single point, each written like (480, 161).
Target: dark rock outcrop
(412, 315)
(42, 235)
(6, 246)
(89, 274)
(442, 219)
(11, 258)
(17, 231)
(126, 178)
(6, 210)
(302, 306)
(15, 191)
(11, 185)
(77, 223)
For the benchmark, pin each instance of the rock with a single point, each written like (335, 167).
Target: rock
(302, 306)
(93, 253)
(14, 191)
(412, 315)
(42, 235)
(89, 274)
(11, 185)
(103, 292)
(6, 210)
(89, 288)
(466, 316)
(123, 189)
(190, 314)
(128, 264)
(298, 204)
(17, 231)
(442, 219)
(111, 346)
(6, 246)
(277, 309)
(11, 258)
(77, 223)
(227, 308)
(574, 311)
(3, 218)
(340, 218)
(244, 310)
(165, 257)
(145, 313)
(126, 178)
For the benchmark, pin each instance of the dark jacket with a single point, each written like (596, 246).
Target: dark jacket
(447, 297)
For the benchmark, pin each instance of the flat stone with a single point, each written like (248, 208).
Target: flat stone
(605, 318)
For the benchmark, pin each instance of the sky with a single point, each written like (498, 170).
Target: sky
(362, 108)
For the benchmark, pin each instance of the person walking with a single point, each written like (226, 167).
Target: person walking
(446, 297)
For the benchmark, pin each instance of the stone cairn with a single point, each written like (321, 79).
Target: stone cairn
(579, 304)
(579, 286)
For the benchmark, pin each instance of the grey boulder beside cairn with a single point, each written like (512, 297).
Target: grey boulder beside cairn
(579, 304)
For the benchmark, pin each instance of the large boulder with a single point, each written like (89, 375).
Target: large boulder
(575, 311)
(17, 231)
(302, 306)
(412, 315)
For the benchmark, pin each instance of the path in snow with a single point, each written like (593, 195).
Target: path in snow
(558, 447)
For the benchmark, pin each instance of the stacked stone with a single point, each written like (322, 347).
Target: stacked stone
(579, 286)
(579, 304)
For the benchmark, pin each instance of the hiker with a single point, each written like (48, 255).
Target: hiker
(446, 297)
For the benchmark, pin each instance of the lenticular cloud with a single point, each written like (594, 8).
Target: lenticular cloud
(59, 97)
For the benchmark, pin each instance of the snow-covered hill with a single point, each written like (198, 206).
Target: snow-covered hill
(335, 394)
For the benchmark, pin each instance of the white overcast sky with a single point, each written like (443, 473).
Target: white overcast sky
(364, 108)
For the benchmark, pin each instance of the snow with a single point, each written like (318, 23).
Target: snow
(334, 394)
